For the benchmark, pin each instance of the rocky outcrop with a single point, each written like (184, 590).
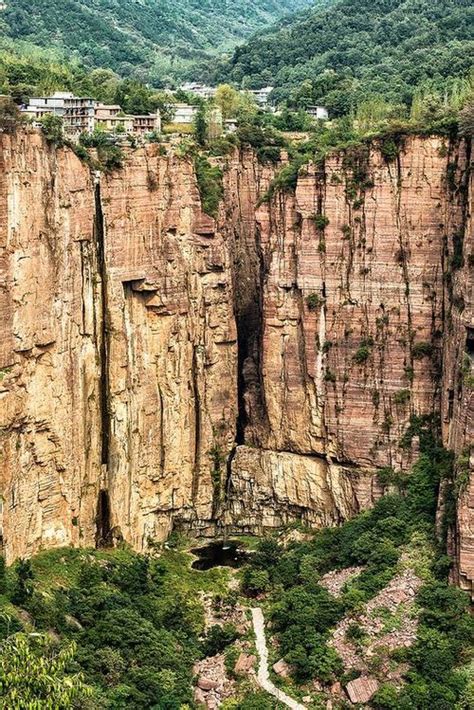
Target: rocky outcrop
(163, 369)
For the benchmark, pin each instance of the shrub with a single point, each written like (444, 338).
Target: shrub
(314, 301)
(52, 128)
(320, 221)
(255, 581)
(389, 149)
(10, 116)
(401, 397)
(218, 638)
(362, 354)
(421, 350)
(211, 189)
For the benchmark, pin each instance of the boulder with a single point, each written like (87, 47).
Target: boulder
(206, 683)
(244, 663)
(282, 668)
(362, 689)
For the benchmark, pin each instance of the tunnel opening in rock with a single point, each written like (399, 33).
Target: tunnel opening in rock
(103, 529)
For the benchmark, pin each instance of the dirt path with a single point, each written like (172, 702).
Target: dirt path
(263, 676)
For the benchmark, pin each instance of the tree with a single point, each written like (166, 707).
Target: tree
(10, 116)
(22, 589)
(466, 120)
(52, 127)
(33, 674)
(229, 100)
(200, 126)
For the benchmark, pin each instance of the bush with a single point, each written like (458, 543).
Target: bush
(362, 354)
(314, 301)
(218, 638)
(421, 350)
(320, 221)
(402, 397)
(52, 128)
(10, 116)
(255, 581)
(210, 185)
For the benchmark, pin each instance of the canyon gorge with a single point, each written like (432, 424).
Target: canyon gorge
(163, 370)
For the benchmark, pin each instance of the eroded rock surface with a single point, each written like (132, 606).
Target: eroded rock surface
(162, 369)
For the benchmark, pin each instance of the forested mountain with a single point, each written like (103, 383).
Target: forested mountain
(149, 39)
(340, 54)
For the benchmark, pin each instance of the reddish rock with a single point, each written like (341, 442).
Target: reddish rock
(362, 689)
(282, 668)
(206, 683)
(244, 663)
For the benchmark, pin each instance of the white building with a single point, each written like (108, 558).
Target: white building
(318, 112)
(184, 113)
(262, 95)
(205, 92)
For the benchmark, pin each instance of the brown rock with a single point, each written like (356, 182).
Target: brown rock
(362, 689)
(244, 663)
(282, 668)
(206, 683)
(336, 688)
(199, 696)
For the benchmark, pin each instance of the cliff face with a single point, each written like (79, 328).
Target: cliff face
(161, 369)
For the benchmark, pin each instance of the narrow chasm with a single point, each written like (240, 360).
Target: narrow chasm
(249, 320)
(103, 529)
(103, 506)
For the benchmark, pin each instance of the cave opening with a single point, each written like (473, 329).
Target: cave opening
(470, 342)
(103, 529)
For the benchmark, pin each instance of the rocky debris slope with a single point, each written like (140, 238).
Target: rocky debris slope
(365, 641)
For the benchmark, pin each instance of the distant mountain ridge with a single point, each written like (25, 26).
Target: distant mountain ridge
(146, 38)
(354, 48)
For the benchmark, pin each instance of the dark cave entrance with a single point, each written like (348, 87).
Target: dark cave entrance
(103, 530)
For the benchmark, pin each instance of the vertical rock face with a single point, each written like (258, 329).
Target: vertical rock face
(349, 284)
(50, 428)
(160, 369)
(171, 349)
(457, 411)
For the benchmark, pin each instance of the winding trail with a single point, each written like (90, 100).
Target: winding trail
(263, 676)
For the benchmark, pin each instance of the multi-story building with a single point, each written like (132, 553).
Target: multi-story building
(205, 92)
(84, 114)
(262, 95)
(184, 113)
(39, 106)
(111, 118)
(79, 114)
(147, 123)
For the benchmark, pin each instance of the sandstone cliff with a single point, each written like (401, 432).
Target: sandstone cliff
(162, 369)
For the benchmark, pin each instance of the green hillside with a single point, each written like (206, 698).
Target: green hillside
(355, 48)
(149, 39)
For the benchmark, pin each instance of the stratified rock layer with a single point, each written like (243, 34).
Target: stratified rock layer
(162, 369)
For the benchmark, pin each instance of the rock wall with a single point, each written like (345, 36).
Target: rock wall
(160, 369)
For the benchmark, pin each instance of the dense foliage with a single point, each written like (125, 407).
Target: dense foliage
(303, 612)
(149, 39)
(342, 54)
(112, 629)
